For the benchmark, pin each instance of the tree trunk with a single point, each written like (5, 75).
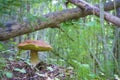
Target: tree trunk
(96, 11)
(13, 29)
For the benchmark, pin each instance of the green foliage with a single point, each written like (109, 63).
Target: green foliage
(81, 45)
(83, 70)
(2, 60)
(1, 47)
(6, 6)
(4, 53)
(2, 65)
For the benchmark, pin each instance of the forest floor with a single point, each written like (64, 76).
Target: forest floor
(22, 70)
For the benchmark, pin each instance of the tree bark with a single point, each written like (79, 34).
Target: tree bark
(13, 29)
(96, 11)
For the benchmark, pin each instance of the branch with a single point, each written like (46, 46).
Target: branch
(14, 29)
(96, 11)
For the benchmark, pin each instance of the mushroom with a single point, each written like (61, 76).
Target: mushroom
(34, 46)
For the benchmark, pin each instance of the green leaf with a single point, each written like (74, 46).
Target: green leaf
(28, 62)
(49, 68)
(20, 70)
(8, 74)
(57, 79)
(1, 46)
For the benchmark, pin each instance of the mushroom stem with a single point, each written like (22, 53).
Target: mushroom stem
(34, 57)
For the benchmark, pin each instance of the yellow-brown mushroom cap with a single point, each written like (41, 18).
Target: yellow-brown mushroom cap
(36, 45)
